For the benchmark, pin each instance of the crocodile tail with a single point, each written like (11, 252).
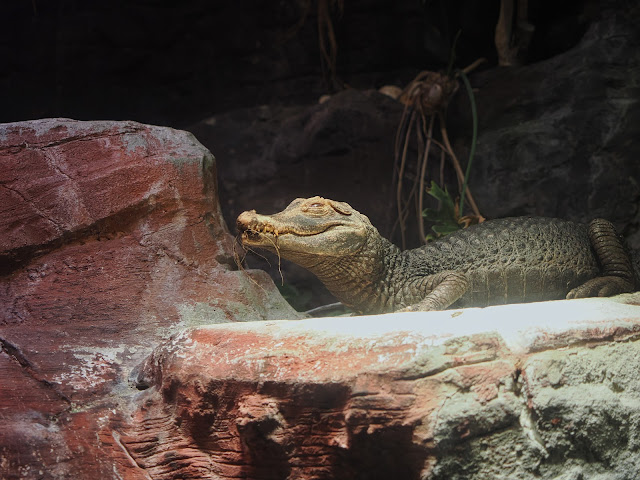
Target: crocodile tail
(635, 260)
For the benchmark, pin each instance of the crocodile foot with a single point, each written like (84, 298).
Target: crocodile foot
(617, 270)
(443, 289)
(602, 287)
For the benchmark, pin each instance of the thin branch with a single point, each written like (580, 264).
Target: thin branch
(400, 176)
(474, 138)
(456, 164)
(421, 188)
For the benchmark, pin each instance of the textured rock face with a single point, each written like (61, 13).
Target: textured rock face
(111, 239)
(559, 137)
(538, 391)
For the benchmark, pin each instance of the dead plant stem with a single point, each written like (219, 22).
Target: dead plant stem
(456, 166)
(403, 161)
(423, 171)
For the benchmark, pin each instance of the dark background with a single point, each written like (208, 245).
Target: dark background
(175, 62)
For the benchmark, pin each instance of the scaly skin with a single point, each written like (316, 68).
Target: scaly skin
(502, 261)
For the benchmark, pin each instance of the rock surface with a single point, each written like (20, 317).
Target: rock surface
(537, 391)
(111, 239)
(559, 137)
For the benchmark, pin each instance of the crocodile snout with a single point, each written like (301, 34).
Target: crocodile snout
(252, 225)
(248, 225)
(246, 220)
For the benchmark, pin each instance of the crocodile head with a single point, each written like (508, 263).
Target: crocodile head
(307, 229)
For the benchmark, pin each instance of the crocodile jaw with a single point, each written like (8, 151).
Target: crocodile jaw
(307, 229)
(255, 228)
(329, 239)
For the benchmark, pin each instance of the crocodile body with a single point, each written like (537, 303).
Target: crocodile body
(510, 260)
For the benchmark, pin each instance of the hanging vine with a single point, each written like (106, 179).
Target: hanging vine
(426, 99)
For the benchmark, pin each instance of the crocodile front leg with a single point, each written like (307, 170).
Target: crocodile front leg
(617, 270)
(440, 291)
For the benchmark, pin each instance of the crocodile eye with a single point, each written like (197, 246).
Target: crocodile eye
(316, 208)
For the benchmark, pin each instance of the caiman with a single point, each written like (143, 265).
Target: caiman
(509, 260)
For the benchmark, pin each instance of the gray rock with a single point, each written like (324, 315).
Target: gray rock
(559, 137)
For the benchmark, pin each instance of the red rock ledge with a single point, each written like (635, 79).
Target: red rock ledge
(520, 391)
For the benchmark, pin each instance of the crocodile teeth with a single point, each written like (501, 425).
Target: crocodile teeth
(250, 234)
(256, 230)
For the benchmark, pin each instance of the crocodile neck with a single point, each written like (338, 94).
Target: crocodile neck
(366, 281)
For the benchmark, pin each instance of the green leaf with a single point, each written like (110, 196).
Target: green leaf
(443, 195)
(445, 220)
(445, 229)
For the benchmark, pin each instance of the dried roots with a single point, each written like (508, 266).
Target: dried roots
(426, 99)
